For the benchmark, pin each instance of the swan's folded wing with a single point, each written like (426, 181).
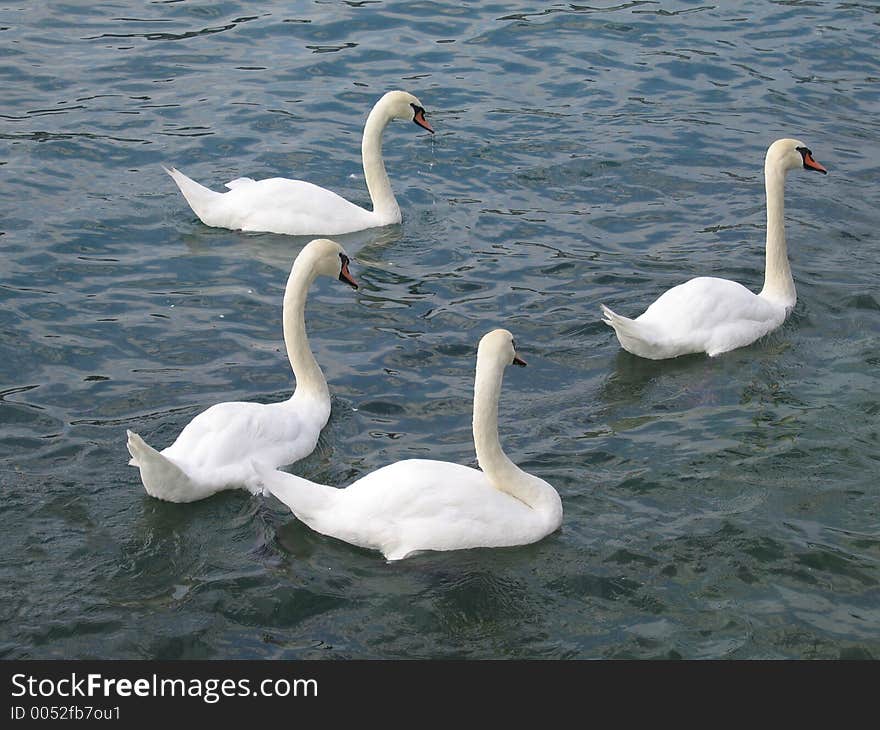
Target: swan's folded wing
(238, 431)
(295, 207)
(709, 315)
(705, 303)
(232, 184)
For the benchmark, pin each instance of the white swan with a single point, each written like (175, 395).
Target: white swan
(217, 450)
(713, 315)
(296, 207)
(420, 504)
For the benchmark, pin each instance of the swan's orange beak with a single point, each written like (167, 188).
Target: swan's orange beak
(811, 164)
(517, 360)
(345, 275)
(419, 118)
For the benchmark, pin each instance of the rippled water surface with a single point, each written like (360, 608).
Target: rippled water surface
(584, 154)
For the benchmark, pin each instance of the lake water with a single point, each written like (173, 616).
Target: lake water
(722, 508)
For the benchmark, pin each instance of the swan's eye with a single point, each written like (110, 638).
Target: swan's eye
(345, 260)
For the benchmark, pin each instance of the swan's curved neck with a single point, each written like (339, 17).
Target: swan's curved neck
(309, 378)
(384, 202)
(778, 282)
(498, 468)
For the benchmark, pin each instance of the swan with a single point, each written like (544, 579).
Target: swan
(217, 449)
(420, 504)
(299, 208)
(712, 315)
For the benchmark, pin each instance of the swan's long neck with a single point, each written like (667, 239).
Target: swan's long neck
(498, 468)
(384, 202)
(778, 282)
(309, 378)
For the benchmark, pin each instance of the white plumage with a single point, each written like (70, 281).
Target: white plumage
(296, 207)
(714, 315)
(421, 504)
(220, 447)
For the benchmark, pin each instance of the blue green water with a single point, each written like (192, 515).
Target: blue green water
(721, 508)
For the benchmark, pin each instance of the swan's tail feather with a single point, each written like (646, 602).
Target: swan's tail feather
(162, 478)
(197, 195)
(629, 332)
(304, 498)
(619, 322)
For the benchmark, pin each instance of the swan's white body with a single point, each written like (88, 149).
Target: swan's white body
(296, 207)
(714, 315)
(705, 314)
(220, 447)
(421, 504)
